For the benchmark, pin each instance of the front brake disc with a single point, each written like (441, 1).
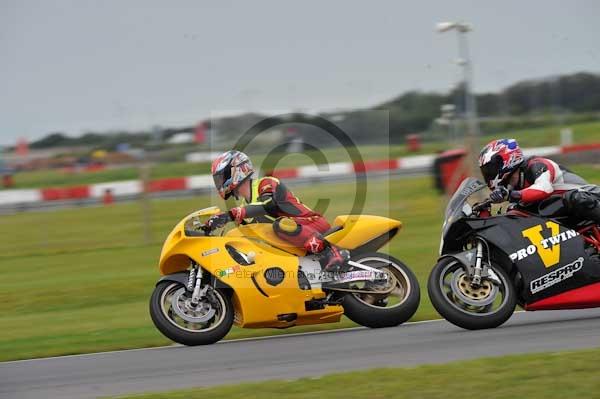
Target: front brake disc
(481, 296)
(182, 306)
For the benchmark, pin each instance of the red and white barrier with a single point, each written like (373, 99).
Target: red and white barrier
(118, 188)
(20, 196)
(199, 182)
(134, 187)
(568, 149)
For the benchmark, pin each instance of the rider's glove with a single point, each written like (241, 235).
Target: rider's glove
(514, 196)
(499, 195)
(237, 214)
(217, 221)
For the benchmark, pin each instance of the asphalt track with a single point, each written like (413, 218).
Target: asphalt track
(290, 357)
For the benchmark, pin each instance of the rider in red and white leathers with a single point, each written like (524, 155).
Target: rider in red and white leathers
(528, 181)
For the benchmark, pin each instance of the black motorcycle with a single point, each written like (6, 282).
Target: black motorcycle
(489, 264)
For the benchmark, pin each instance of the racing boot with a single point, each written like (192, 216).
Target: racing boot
(334, 259)
(331, 258)
(594, 216)
(584, 204)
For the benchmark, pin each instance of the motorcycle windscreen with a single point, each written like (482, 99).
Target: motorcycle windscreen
(471, 190)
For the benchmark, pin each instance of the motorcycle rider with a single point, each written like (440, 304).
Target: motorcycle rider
(268, 200)
(530, 180)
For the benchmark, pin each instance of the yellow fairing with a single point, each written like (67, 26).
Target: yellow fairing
(263, 234)
(258, 303)
(359, 230)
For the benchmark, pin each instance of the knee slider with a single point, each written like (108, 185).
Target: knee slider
(287, 226)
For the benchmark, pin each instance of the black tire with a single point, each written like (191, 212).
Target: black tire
(181, 335)
(377, 317)
(461, 318)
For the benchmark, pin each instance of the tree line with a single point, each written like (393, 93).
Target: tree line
(521, 105)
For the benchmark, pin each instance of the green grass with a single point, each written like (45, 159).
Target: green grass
(79, 280)
(82, 277)
(583, 133)
(546, 136)
(557, 375)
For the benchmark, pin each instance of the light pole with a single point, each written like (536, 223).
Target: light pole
(447, 119)
(464, 61)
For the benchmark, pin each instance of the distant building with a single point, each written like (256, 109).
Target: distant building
(181, 138)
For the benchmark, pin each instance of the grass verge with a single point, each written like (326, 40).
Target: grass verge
(79, 280)
(545, 376)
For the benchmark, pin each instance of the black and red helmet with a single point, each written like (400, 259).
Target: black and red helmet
(498, 160)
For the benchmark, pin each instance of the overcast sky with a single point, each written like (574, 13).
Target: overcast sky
(83, 65)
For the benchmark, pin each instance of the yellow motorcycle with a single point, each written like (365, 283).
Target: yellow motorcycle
(249, 277)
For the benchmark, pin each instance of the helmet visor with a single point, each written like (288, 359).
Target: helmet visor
(221, 178)
(492, 169)
(218, 179)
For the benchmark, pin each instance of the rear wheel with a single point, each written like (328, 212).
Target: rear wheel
(178, 319)
(487, 305)
(388, 304)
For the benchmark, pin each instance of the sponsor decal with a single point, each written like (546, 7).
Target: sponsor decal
(556, 276)
(548, 249)
(210, 252)
(228, 271)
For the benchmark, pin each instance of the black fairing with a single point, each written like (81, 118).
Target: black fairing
(505, 234)
(508, 235)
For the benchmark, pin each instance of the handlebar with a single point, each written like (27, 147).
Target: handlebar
(482, 205)
(207, 230)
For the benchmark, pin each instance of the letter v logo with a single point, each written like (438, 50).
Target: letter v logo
(551, 255)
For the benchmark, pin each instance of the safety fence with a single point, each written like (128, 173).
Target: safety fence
(21, 199)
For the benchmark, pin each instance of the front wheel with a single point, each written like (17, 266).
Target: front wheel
(398, 301)
(487, 305)
(178, 319)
